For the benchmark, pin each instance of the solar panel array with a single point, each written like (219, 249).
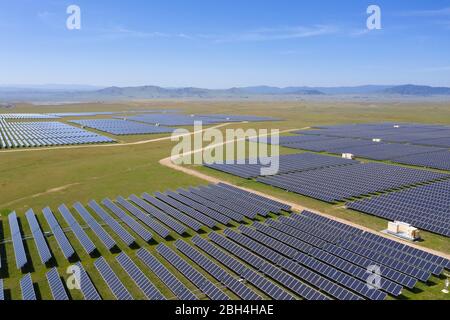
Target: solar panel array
(104, 237)
(26, 116)
(56, 285)
(59, 234)
(426, 207)
(339, 183)
(39, 239)
(217, 272)
(435, 160)
(45, 134)
(123, 234)
(81, 114)
(121, 127)
(251, 168)
(85, 284)
(206, 286)
(112, 280)
(301, 255)
(188, 120)
(16, 235)
(139, 278)
(27, 288)
(175, 285)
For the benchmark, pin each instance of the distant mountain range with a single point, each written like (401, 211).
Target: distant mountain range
(89, 93)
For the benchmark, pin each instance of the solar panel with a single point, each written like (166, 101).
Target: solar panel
(2, 297)
(86, 286)
(275, 273)
(104, 237)
(56, 285)
(123, 234)
(145, 218)
(122, 127)
(175, 285)
(39, 239)
(272, 290)
(200, 217)
(27, 288)
(60, 237)
(80, 234)
(112, 280)
(206, 286)
(141, 280)
(130, 222)
(177, 227)
(217, 272)
(337, 276)
(16, 235)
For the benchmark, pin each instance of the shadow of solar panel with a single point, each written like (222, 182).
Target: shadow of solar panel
(86, 286)
(123, 234)
(27, 288)
(164, 218)
(112, 280)
(206, 286)
(104, 237)
(39, 239)
(16, 235)
(60, 237)
(217, 272)
(56, 285)
(266, 286)
(175, 285)
(130, 222)
(80, 234)
(139, 278)
(145, 218)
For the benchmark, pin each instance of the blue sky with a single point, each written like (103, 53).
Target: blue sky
(225, 43)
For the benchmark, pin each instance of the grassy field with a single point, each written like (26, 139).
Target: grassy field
(41, 178)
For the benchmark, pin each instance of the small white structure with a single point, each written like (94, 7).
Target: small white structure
(403, 230)
(396, 126)
(376, 140)
(348, 156)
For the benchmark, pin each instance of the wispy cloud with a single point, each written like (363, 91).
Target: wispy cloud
(427, 13)
(274, 34)
(123, 32)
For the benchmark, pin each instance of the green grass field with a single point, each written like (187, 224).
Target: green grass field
(39, 178)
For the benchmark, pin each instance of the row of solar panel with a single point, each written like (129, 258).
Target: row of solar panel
(42, 134)
(122, 127)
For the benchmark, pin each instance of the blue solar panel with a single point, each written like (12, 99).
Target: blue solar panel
(130, 222)
(104, 237)
(161, 216)
(56, 285)
(122, 127)
(61, 238)
(140, 279)
(16, 235)
(145, 218)
(175, 285)
(253, 277)
(435, 160)
(80, 234)
(123, 234)
(112, 280)
(206, 286)
(27, 288)
(86, 286)
(39, 239)
(2, 296)
(217, 272)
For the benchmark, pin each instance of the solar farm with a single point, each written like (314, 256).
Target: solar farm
(119, 224)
